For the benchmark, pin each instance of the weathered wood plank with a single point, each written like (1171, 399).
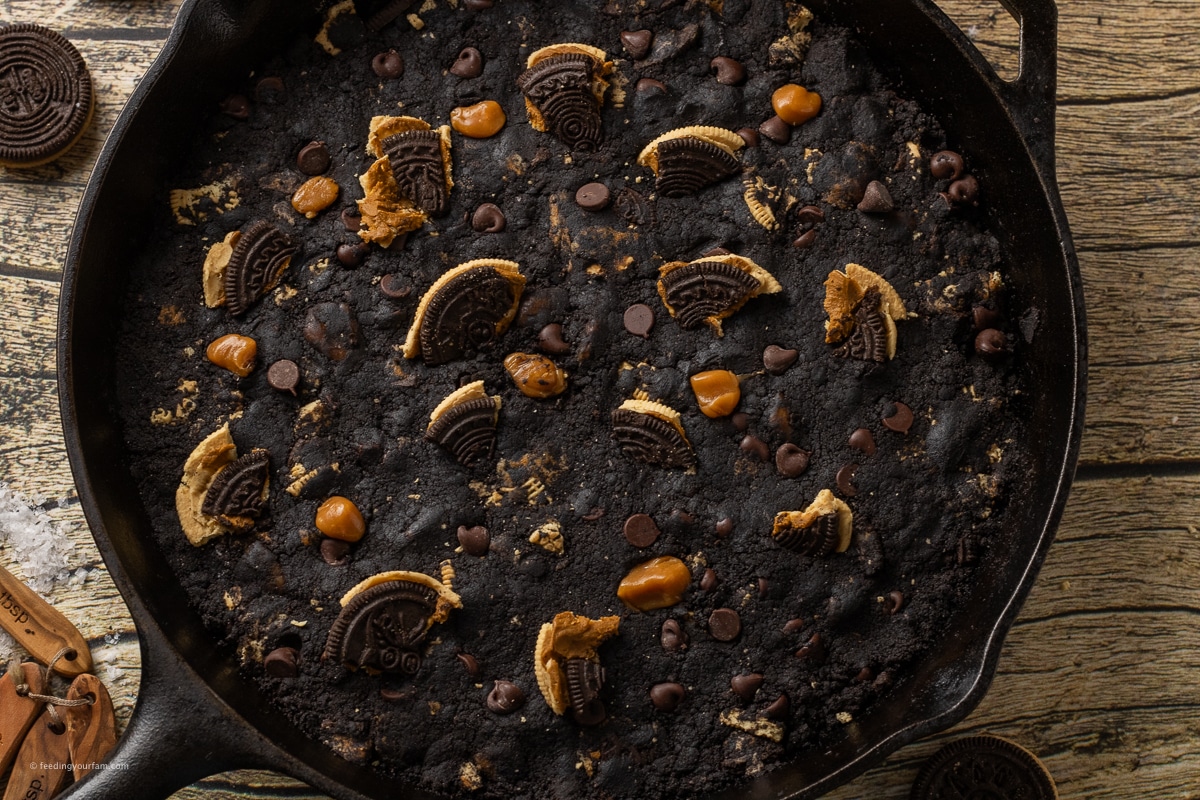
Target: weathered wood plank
(1107, 50)
(74, 15)
(46, 214)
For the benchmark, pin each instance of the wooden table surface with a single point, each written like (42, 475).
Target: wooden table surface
(1098, 676)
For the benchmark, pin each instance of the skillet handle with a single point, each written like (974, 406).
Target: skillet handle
(1031, 96)
(179, 734)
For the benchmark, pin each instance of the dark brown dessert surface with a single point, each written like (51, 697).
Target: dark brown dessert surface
(537, 505)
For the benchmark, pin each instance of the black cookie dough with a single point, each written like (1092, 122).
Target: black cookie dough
(926, 503)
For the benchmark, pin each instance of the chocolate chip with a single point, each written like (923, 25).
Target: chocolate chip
(388, 65)
(805, 240)
(313, 158)
(550, 340)
(639, 320)
(469, 63)
(475, 540)
(716, 251)
(728, 71)
(876, 199)
(794, 626)
(865, 675)
(673, 637)
(764, 586)
(813, 651)
(901, 420)
(470, 664)
(236, 106)
(394, 286)
(284, 375)
(640, 530)
(270, 90)
(964, 190)
(991, 343)
(393, 694)
(724, 624)
(281, 662)
(946, 164)
(776, 359)
(352, 255)
(478, 5)
(749, 136)
(650, 86)
(488, 218)
(637, 43)
(845, 478)
(709, 580)
(724, 527)
(780, 709)
(351, 219)
(334, 551)
(776, 130)
(667, 696)
(893, 602)
(752, 445)
(741, 421)
(791, 461)
(505, 698)
(746, 686)
(593, 197)
(810, 215)
(984, 317)
(862, 440)
(332, 328)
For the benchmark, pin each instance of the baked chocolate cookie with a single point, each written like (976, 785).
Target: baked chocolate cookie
(572, 411)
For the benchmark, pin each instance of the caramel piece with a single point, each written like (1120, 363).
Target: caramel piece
(233, 352)
(536, 376)
(794, 104)
(479, 121)
(315, 195)
(657, 583)
(339, 518)
(717, 391)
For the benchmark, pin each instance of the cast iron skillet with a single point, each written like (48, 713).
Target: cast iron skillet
(195, 716)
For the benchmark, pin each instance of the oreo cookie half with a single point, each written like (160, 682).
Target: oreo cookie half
(983, 767)
(46, 96)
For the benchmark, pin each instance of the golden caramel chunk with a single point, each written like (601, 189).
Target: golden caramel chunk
(233, 352)
(717, 391)
(535, 375)
(339, 518)
(315, 195)
(794, 104)
(479, 121)
(657, 583)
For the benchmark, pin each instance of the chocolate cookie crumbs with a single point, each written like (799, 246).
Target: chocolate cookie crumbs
(696, 245)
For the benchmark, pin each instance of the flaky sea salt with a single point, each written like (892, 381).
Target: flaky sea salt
(35, 543)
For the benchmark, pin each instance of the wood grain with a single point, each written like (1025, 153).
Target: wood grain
(1097, 677)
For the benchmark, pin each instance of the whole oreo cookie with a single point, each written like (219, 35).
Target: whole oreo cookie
(45, 95)
(983, 766)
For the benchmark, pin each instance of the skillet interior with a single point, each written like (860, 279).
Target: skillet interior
(220, 41)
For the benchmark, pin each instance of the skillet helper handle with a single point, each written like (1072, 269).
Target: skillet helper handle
(1032, 95)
